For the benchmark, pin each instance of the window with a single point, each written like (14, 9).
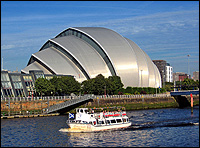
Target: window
(118, 120)
(100, 122)
(124, 120)
(113, 121)
(4, 77)
(16, 78)
(108, 121)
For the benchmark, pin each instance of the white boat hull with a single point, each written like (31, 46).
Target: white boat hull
(74, 127)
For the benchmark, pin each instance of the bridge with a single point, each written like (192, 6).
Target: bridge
(180, 97)
(73, 103)
(68, 105)
(178, 93)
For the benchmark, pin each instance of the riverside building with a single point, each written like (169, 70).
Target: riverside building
(84, 52)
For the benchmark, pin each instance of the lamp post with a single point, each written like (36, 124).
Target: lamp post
(105, 91)
(163, 72)
(47, 104)
(8, 106)
(188, 65)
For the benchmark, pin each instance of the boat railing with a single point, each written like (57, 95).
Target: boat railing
(111, 114)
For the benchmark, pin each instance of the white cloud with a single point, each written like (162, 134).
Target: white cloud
(4, 47)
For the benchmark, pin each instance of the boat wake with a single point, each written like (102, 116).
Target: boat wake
(159, 124)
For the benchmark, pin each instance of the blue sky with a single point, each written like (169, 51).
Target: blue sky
(165, 30)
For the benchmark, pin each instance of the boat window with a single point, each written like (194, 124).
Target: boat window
(81, 110)
(113, 121)
(118, 120)
(92, 115)
(108, 121)
(124, 120)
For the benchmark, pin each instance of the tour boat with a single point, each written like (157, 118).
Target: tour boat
(86, 120)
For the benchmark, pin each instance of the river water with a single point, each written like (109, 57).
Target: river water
(172, 127)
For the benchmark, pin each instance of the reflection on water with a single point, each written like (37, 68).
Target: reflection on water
(154, 128)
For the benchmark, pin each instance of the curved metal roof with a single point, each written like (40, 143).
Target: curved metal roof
(85, 54)
(59, 63)
(119, 51)
(35, 66)
(89, 51)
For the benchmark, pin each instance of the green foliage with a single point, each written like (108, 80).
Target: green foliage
(44, 86)
(70, 85)
(129, 90)
(143, 90)
(57, 86)
(169, 86)
(120, 91)
(187, 84)
(117, 81)
(101, 85)
(65, 85)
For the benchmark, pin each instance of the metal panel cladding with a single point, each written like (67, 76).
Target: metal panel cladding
(86, 52)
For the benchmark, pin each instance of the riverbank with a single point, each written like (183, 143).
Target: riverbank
(29, 116)
(132, 104)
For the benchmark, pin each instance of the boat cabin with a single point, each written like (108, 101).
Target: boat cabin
(86, 116)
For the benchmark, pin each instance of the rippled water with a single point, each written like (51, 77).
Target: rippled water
(150, 128)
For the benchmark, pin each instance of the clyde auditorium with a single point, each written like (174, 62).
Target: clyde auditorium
(85, 52)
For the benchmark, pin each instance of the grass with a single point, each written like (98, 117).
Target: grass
(140, 106)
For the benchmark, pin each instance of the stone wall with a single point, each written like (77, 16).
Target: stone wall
(28, 105)
(41, 104)
(116, 101)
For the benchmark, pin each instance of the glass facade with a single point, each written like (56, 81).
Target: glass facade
(29, 84)
(6, 85)
(21, 85)
(17, 83)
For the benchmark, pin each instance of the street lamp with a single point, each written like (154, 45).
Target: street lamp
(188, 65)
(105, 91)
(8, 106)
(47, 103)
(163, 72)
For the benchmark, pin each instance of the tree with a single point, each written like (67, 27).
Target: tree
(169, 86)
(129, 90)
(99, 84)
(110, 87)
(189, 83)
(44, 86)
(57, 82)
(70, 85)
(117, 81)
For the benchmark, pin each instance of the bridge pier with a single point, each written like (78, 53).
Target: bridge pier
(181, 97)
(182, 101)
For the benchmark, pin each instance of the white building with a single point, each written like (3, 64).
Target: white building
(169, 73)
(85, 52)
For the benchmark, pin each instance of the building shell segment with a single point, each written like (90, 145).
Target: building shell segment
(85, 52)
